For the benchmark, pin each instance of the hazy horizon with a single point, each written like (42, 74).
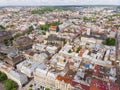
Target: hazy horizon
(57, 2)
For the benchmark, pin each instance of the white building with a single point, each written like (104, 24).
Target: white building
(18, 77)
(28, 67)
(51, 49)
(44, 78)
(89, 40)
(40, 57)
(38, 46)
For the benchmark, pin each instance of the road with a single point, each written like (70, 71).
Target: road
(1, 87)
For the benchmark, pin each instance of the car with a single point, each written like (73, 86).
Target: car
(38, 88)
(31, 85)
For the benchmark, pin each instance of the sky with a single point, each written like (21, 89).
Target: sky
(58, 2)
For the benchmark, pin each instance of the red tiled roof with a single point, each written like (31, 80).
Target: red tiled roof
(98, 85)
(53, 27)
(85, 87)
(65, 79)
(114, 86)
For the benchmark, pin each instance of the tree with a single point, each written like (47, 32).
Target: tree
(47, 88)
(117, 25)
(3, 76)
(70, 51)
(111, 19)
(44, 33)
(6, 42)
(2, 27)
(14, 89)
(78, 49)
(30, 29)
(109, 42)
(90, 19)
(30, 89)
(10, 84)
(46, 26)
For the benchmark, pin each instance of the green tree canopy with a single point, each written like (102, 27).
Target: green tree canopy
(70, 51)
(30, 89)
(2, 27)
(78, 49)
(47, 88)
(46, 26)
(10, 85)
(3, 76)
(109, 42)
(14, 89)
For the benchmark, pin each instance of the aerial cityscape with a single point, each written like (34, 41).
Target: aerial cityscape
(60, 47)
